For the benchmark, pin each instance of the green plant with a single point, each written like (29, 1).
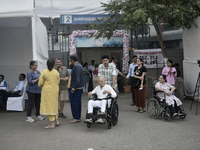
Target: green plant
(133, 13)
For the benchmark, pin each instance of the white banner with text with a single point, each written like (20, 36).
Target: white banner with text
(152, 58)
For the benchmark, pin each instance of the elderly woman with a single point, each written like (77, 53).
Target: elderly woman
(172, 101)
(49, 81)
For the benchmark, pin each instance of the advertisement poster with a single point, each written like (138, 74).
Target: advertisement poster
(152, 58)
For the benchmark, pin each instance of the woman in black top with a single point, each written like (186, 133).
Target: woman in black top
(140, 85)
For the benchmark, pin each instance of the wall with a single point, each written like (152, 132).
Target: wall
(95, 53)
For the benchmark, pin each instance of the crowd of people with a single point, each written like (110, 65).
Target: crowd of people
(48, 90)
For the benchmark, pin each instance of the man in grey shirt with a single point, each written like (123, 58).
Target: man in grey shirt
(63, 92)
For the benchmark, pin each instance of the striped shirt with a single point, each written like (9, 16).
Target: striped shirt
(107, 73)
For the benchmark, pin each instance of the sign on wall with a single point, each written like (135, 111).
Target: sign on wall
(80, 19)
(100, 42)
(152, 58)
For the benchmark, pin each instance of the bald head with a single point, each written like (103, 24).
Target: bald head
(102, 81)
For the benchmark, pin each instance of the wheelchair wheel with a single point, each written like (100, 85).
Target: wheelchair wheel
(182, 116)
(88, 125)
(114, 113)
(166, 114)
(153, 108)
(109, 124)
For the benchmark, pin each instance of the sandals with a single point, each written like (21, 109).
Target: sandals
(100, 121)
(88, 121)
(142, 111)
(57, 124)
(138, 110)
(49, 127)
(75, 121)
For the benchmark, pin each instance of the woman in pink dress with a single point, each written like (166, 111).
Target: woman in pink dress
(95, 77)
(170, 72)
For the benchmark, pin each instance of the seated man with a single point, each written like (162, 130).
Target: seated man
(17, 92)
(102, 90)
(3, 83)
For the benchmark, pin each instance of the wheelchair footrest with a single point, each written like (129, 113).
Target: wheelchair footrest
(88, 116)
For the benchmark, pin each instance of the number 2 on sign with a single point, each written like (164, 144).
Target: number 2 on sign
(67, 18)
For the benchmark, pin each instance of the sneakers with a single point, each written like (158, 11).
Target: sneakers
(39, 118)
(30, 119)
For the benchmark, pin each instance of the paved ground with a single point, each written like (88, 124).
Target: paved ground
(134, 131)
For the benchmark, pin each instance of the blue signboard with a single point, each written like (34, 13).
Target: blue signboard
(100, 42)
(80, 19)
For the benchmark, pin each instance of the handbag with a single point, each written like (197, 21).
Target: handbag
(136, 83)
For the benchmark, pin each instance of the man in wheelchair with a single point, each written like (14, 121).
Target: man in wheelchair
(102, 91)
(172, 101)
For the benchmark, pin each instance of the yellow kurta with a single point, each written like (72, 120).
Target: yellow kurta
(49, 81)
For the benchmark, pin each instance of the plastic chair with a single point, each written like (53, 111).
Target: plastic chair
(17, 103)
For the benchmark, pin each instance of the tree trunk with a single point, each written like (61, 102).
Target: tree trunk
(160, 40)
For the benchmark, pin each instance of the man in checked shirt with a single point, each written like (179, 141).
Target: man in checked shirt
(108, 71)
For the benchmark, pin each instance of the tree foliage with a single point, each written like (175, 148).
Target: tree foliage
(132, 13)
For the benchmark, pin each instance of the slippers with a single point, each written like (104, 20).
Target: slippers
(141, 111)
(49, 127)
(75, 121)
(57, 124)
(137, 110)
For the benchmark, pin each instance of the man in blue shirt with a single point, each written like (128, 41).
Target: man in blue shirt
(3, 84)
(130, 73)
(75, 88)
(17, 92)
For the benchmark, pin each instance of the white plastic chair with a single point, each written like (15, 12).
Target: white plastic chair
(17, 103)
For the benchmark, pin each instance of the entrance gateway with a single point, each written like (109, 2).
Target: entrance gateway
(92, 49)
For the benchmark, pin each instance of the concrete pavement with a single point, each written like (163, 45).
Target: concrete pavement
(134, 131)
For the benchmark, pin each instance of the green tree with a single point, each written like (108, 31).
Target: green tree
(132, 13)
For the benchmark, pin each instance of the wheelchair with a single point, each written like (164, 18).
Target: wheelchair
(111, 114)
(157, 106)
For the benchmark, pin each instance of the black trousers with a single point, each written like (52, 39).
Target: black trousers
(90, 87)
(5, 96)
(132, 89)
(33, 98)
(174, 109)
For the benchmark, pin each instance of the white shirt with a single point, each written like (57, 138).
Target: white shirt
(131, 69)
(99, 91)
(20, 87)
(91, 68)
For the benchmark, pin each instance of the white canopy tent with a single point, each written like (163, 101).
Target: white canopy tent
(191, 45)
(23, 38)
(54, 8)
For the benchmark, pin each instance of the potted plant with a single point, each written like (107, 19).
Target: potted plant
(126, 85)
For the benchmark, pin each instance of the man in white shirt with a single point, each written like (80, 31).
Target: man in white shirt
(102, 91)
(90, 68)
(18, 91)
(130, 73)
